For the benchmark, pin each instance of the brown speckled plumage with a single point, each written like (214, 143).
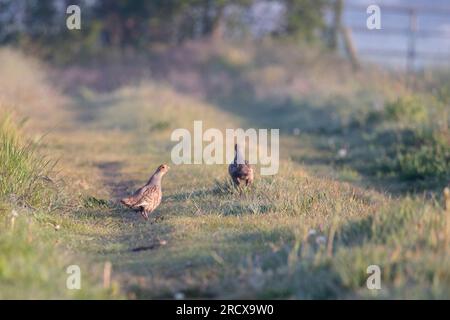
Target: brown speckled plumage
(147, 198)
(241, 173)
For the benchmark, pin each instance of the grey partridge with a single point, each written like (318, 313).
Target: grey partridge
(241, 173)
(147, 198)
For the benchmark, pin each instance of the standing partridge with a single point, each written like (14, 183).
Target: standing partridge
(147, 198)
(241, 172)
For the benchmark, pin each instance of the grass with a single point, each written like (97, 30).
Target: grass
(24, 173)
(33, 203)
(33, 262)
(222, 243)
(339, 203)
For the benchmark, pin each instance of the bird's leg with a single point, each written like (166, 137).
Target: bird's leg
(144, 214)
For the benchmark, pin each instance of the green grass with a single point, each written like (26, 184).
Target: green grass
(24, 174)
(431, 158)
(348, 194)
(406, 109)
(226, 243)
(33, 263)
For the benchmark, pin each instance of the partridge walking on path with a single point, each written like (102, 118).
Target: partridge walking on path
(241, 171)
(147, 198)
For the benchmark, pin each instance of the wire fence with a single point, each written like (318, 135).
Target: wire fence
(402, 37)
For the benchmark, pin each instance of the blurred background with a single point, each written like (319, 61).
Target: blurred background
(313, 63)
(414, 33)
(304, 66)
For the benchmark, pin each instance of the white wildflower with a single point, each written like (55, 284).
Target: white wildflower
(342, 153)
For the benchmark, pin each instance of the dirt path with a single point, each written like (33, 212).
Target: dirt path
(195, 241)
(206, 239)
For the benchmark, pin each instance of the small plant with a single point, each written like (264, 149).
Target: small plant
(406, 109)
(417, 154)
(430, 159)
(93, 202)
(225, 187)
(160, 126)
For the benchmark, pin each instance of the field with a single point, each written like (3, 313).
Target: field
(364, 158)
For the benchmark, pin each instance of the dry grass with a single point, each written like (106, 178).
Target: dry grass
(299, 234)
